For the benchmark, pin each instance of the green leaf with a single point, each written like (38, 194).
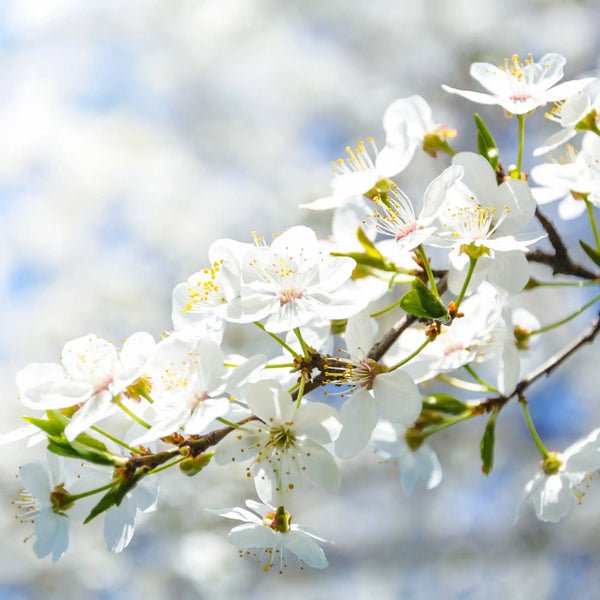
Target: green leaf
(444, 403)
(368, 260)
(88, 440)
(62, 449)
(114, 496)
(368, 245)
(50, 427)
(422, 302)
(59, 445)
(486, 143)
(593, 254)
(487, 444)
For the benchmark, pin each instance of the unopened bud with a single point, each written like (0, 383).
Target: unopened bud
(193, 465)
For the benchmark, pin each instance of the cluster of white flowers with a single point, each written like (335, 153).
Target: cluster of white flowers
(343, 375)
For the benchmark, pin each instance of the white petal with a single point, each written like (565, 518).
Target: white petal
(318, 466)
(119, 524)
(269, 401)
(254, 536)
(398, 396)
(358, 417)
(305, 548)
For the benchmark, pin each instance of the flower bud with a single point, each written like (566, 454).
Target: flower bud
(193, 465)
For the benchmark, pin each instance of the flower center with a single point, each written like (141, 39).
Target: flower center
(475, 222)
(363, 373)
(281, 437)
(289, 295)
(395, 216)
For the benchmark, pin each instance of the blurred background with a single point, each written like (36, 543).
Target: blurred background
(134, 134)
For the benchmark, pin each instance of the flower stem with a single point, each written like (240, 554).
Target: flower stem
(300, 390)
(566, 319)
(280, 366)
(534, 435)
(303, 344)
(226, 422)
(461, 384)
(411, 356)
(133, 415)
(166, 466)
(478, 379)
(566, 283)
(521, 119)
(277, 339)
(427, 266)
(448, 423)
(386, 309)
(75, 497)
(590, 210)
(472, 263)
(115, 440)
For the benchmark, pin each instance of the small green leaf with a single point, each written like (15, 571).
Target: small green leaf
(486, 143)
(59, 445)
(368, 245)
(444, 403)
(61, 449)
(487, 444)
(87, 440)
(593, 254)
(368, 260)
(51, 428)
(113, 497)
(422, 302)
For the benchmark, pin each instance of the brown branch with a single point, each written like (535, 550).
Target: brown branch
(546, 368)
(553, 362)
(560, 261)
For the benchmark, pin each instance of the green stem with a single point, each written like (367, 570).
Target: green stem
(447, 423)
(294, 388)
(387, 309)
(460, 384)
(303, 344)
(112, 438)
(228, 423)
(566, 283)
(427, 266)
(281, 366)
(411, 356)
(133, 415)
(472, 263)
(566, 319)
(534, 435)
(478, 379)
(300, 390)
(166, 466)
(595, 129)
(590, 210)
(75, 497)
(521, 119)
(277, 339)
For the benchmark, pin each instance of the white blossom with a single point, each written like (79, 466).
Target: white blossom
(520, 87)
(93, 373)
(285, 445)
(553, 492)
(270, 536)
